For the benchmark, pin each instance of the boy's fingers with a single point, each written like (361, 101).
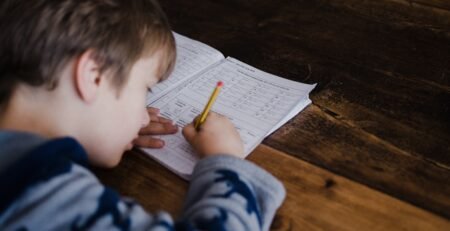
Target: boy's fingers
(153, 111)
(213, 116)
(164, 120)
(189, 132)
(195, 120)
(148, 142)
(156, 118)
(155, 128)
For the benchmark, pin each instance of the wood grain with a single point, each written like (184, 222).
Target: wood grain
(316, 199)
(320, 200)
(435, 4)
(372, 152)
(321, 139)
(427, 14)
(381, 109)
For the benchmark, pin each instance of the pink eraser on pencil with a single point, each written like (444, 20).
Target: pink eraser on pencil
(220, 84)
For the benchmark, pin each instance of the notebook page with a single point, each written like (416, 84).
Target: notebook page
(192, 57)
(255, 101)
(297, 109)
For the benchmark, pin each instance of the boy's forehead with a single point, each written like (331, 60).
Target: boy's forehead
(164, 64)
(158, 63)
(146, 68)
(152, 68)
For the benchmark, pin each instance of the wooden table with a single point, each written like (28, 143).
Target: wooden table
(372, 151)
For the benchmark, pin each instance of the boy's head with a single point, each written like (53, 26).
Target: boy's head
(98, 56)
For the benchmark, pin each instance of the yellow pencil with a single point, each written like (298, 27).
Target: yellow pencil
(208, 105)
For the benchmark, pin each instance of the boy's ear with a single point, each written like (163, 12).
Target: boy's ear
(87, 77)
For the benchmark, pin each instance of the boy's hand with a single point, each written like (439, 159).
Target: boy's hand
(157, 126)
(217, 135)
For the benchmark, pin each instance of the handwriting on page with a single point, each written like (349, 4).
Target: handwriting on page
(251, 97)
(253, 100)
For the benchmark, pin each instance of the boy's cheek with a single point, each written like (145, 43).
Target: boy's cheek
(129, 146)
(113, 161)
(106, 158)
(145, 119)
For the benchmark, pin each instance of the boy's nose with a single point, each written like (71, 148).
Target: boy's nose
(145, 119)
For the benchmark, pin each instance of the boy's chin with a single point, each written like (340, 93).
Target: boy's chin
(107, 163)
(129, 147)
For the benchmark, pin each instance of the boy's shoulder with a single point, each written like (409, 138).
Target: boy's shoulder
(28, 159)
(27, 151)
(48, 178)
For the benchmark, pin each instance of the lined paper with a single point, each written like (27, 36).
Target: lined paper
(255, 101)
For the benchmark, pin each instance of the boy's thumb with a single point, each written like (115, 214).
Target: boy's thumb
(189, 132)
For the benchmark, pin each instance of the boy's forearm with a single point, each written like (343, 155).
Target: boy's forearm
(232, 193)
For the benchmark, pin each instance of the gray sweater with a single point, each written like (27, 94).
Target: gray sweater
(46, 185)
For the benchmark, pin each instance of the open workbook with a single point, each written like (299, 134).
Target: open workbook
(256, 102)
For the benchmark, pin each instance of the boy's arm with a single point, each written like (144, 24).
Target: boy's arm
(227, 193)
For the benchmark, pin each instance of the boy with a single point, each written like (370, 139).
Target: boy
(74, 75)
